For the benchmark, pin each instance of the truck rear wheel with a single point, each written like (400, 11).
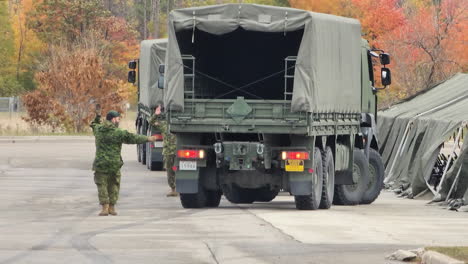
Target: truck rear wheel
(156, 166)
(328, 188)
(265, 194)
(376, 175)
(138, 153)
(352, 194)
(138, 146)
(194, 200)
(312, 201)
(213, 198)
(238, 195)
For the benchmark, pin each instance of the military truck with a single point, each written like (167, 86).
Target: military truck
(145, 73)
(266, 99)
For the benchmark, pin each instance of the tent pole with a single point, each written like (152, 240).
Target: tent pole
(399, 150)
(453, 184)
(457, 139)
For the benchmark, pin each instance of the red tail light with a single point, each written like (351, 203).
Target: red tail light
(158, 137)
(295, 155)
(191, 154)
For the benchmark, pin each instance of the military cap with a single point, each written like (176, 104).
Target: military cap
(111, 114)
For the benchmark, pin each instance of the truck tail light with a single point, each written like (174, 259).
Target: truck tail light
(158, 137)
(294, 155)
(191, 154)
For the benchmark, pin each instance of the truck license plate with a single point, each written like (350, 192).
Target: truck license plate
(294, 165)
(187, 165)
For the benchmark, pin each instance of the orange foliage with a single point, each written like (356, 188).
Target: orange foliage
(428, 42)
(379, 17)
(72, 82)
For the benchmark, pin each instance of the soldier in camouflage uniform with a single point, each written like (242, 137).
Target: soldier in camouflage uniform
(108, 161)
(169, 148)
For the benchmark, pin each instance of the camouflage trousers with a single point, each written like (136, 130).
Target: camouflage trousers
(169, 163)
(108, 186)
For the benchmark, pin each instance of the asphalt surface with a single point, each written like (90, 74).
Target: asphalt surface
(48, 214)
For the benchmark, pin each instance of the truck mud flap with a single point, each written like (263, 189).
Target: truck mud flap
(187, 181)
(300, 183)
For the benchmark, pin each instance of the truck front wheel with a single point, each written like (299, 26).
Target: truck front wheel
(353, 193)
(376, 173)
(312, 201)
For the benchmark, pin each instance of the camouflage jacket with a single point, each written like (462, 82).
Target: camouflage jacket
(109, 140)
(169, 140)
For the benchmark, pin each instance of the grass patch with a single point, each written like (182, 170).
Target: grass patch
(14, 125)
(459, 253)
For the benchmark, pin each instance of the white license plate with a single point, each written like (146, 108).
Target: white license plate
(158, 144)
(187, 165)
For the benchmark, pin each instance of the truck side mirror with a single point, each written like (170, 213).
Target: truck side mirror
(384, 58)
(161, 82)
(386, 76)
(131, 76)
(132, 65)
(161, 69)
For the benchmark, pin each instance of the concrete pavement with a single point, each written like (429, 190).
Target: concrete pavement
(48, 214)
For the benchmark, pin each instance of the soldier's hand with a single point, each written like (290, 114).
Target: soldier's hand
(151, 139)
(157, 111)
(98, 109)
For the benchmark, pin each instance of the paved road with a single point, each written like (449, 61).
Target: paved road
(48, 214)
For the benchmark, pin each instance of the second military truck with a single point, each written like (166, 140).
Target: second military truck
(266, 99)
(145, 72)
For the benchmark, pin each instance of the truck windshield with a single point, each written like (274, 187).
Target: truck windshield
(236, 59)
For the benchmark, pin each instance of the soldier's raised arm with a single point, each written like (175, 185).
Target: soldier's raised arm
(97, 119)
(157, 120)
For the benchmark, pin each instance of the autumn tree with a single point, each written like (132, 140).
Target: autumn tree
(72, 81)
(429, 48)
(8, 82)
(58, 21)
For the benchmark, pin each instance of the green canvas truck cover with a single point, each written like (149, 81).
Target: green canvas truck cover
(152, 54)
(435, 115)
(327, 75)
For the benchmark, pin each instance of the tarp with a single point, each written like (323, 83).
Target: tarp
(328, 71)
(430, 118)
(152, 54)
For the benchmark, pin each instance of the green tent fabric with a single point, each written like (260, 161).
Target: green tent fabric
(432, 117)
(152, 54)
(328, 57)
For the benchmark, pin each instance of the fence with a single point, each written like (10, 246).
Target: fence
(10, 104)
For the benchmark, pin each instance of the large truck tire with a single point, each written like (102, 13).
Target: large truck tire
(238, 195)
(156, 166)
(138, 146)
(143, 153)
(312, 201)
(213, 198)
(328, 188)
(265, 194)
(376, 178)
(138, 153)
(352, 194)
(148, 155)
(194, 200)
